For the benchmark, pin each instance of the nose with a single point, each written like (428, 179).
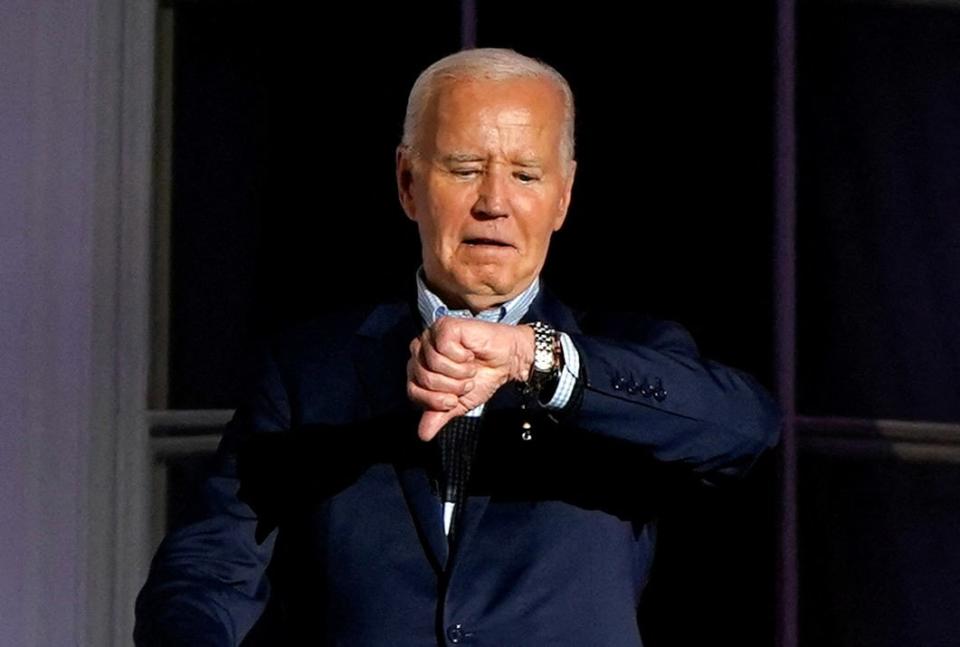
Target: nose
(492, 200)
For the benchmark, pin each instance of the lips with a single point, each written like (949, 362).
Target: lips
(492, 242)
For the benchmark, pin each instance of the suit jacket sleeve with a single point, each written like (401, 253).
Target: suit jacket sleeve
(644, 382)
(207, 584)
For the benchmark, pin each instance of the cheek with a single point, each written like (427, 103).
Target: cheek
(540, 225)
(447, 218)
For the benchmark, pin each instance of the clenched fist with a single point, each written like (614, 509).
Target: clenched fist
(458, 364)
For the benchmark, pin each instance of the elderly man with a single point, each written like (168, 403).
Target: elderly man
(479, 465)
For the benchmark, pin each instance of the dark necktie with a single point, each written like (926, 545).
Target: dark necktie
(458, 446)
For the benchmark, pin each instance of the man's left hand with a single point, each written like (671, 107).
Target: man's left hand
(458, 364)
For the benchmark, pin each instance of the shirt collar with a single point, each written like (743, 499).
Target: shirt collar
(431, 307)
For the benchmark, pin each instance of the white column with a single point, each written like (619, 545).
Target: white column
(75, 124)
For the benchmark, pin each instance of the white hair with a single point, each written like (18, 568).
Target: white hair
(491, 64)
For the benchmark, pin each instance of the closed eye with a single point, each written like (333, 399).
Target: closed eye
(526, 178)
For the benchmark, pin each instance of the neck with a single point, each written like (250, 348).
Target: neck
(473, 302)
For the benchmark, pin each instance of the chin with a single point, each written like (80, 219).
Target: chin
(487, 284)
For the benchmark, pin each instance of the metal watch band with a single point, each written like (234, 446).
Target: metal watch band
(545, 364)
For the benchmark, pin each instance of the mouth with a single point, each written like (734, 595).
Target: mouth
(485, 242)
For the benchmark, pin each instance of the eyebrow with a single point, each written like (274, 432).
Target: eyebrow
(459, 158)
(462, 158)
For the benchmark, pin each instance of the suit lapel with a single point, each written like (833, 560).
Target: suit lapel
(381, 359)
(426, 512)
(381, 355)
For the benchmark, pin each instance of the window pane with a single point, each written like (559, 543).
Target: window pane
(878, 552)
(879, 197)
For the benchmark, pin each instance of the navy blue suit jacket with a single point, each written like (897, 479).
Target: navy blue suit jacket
(323, 505)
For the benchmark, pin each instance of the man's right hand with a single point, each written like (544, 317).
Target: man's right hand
(458, 364)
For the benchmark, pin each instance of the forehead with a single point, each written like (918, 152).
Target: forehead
(526, 112)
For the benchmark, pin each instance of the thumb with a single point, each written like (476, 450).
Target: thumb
(431, 422)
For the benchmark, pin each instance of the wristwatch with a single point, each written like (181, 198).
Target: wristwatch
(546, 356)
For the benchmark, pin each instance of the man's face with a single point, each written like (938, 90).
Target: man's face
(487, 187)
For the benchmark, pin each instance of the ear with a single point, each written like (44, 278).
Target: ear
(405, 163)
(565, 196)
